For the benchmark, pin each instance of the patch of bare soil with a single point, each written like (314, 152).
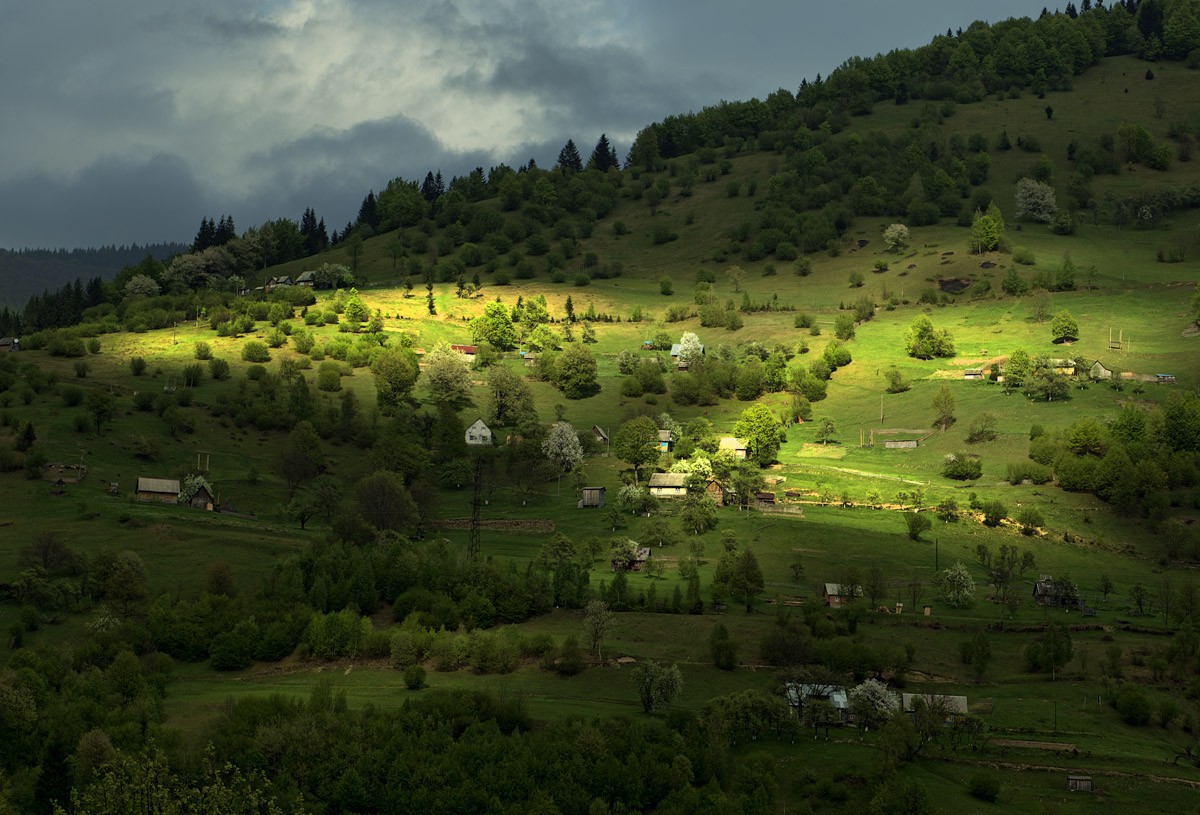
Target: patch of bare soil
(1036, 745)
(525, 525)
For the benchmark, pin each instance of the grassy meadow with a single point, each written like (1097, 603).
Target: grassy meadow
(1129, 293)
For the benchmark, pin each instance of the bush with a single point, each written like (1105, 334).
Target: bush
(218, 368)
(1032, 471)
(72, 396)
(137, 366)
(1133, 704)
(255, 373)
(985, 787)
(203, 351)
(255, 351)
(962, 467)
(1023, 256)
(93, 345)
(81, 368)
(993, 513)
(414, 677)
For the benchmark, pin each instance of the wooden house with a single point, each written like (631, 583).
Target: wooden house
(1057, 593)
(765, 498)
(276, 281)
(479, 434)
(592, 497)
(973, 373)
(465, 350)
(8, 344)
(799, 694)
(668, 485)
(666, 441)
(1164, 379)
(735, 446)
(1099, 371)
(529, 359)
(203, 499)
(836, 596)
(306, 279)
(164, 490)
(600, 434)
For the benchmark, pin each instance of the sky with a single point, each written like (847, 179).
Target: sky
(128, 121)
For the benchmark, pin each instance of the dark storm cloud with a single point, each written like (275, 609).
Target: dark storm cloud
(139, 118)
(110, 202)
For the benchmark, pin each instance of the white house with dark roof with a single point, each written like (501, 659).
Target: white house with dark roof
(668, 485)
(479, 434)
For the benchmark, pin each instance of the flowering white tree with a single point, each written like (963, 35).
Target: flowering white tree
(1035, 200)
(872, 703)
(896, 237)
(562, 447)
(690, 349)
(958, 587)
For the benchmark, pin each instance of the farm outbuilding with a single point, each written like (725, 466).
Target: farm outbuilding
(306, 279)
(716, 491)
(666, 440)
(953, 705)
(1064, 367)
(973, 373)
(9, 344)
(836, 596)
(1099, 371)
(1080, 783)
(601, 434)
(203, 499)
(668, 485)
(163, 490)
(901, 444)
(799, 694)
(592, 497)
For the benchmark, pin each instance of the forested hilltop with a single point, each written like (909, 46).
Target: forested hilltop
(834, 451)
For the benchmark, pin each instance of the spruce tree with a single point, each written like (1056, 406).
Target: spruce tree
(568, 157)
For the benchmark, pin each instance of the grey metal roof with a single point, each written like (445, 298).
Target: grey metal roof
(166, 485)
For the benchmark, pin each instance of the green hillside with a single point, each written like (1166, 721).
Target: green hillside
(346, 554)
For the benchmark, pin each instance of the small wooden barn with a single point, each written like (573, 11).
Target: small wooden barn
(666, 440)
(1099, 371)
(306, 279)
(716, 491)
(836, 596)
(163, 490)
(202, 499)
(1080, 783)
(1065, 367)
(973, 373)
(901, 444)
(592, 497)
(601, 434)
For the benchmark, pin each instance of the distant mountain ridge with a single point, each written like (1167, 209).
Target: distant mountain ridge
(26, 272)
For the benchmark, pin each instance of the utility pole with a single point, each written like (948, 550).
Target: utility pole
(476, 504)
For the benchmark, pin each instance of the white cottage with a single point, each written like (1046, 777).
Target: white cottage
(480, 434)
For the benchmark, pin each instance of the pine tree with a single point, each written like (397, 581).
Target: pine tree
(204, 236)
(429, 188)
(604, 156)
(568, 157)
(368, 212)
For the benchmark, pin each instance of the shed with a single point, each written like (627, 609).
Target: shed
(592, 497)
(767, 498)
(735, 446)
(1080, 783)
(467, 350)
(479, 434)
(901, 444)
(1099, 371)
(306, 279)
(716, 490)
(668, 485)
(666, 441)
(973, 373)
(600, 434)
(165, 490)
(1164, 378)
(203, 499)
(530, 359)
(9, 344)
(680, 364)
